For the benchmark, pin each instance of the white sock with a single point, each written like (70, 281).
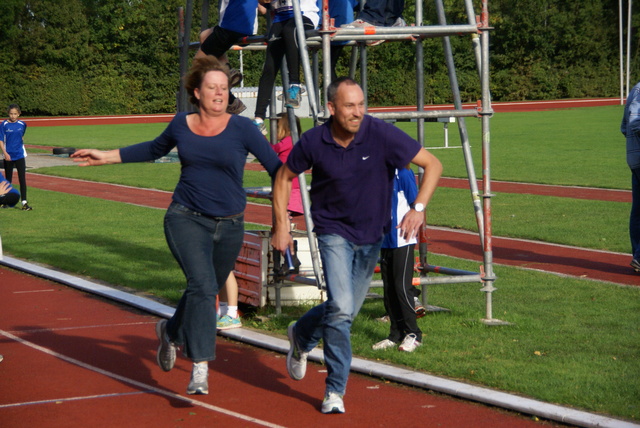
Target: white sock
(24, 202)
(223, 308)
(232, 311)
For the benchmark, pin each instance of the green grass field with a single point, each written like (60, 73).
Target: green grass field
(571, 341)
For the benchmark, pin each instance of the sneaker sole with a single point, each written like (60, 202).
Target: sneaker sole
(230, 327)
(198, 391)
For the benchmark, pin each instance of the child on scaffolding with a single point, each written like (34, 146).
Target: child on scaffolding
(282, 42)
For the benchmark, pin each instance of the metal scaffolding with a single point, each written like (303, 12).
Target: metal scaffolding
(319, 40)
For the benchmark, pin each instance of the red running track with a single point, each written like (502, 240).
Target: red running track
(74, 360)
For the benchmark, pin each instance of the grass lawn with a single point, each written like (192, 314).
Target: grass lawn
(572, 341)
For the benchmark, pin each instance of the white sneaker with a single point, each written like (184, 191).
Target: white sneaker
(332, 403)
(384, 344)
(296, 359)
(199, 383)
(410, 343)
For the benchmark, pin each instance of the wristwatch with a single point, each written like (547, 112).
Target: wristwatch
(419, 207)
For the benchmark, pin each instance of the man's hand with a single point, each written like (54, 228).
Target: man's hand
(410, 224)
(281, 240)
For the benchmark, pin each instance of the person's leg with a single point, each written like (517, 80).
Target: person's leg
(402, 281)
(373, 12)
(206, 250)
(21, 167)
(634, 217)
(272, 63)
(292, 47)
(8, 170)
(391, 303)
(348, 269)
(393, 11)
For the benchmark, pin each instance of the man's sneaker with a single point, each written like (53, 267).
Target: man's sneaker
(410, 343)
(261, 126)
(236, 107)
(384, 318)
(417, 306)
(235, 76)
(399, 22)
(199, 383)
(166, 356)
(384, 344)
(332, 403)
(635, 264)
(26, 207)
(358, 23)
(227, 323)
(294, 96)
(296, 359)
(1, 358)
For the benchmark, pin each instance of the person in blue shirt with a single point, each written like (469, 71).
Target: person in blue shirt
(353, 158)
(12, 133)
(396, 267)
(204, 225)
(9, 196)
(630, 127)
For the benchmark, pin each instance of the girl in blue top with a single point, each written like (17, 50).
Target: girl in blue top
(204, 225)
(11, 136)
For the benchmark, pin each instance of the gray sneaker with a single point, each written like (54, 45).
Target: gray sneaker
(296, 359)
(399, 22)
(199, 383)
(332, 403)
(635, 264)
(166, 356)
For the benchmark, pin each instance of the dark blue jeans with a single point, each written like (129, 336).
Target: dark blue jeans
(382, 12)
(206, 249)
(634, 218)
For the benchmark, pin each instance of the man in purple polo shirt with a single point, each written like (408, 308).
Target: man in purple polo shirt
(353, 159)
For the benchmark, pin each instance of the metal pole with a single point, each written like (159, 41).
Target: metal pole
(621, 52)
(629, 16)
(462, 127)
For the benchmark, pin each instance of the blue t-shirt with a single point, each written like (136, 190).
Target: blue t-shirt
(12, 133)
(404, 194)
(11, 190)
(238, 15)
(212, 167)
(351, 187)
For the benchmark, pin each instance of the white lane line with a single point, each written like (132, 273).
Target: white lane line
(32, 291)
(40, 330)
(62, 400)
(137, 384)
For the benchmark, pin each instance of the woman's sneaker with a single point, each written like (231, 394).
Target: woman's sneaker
(199, 383)
(166, 356)
(227, 323)
(332, 403)
(293, 97)
(410, 343)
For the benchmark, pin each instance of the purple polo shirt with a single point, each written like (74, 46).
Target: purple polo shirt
(351, 187)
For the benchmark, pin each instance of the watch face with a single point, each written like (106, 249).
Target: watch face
(419, 207)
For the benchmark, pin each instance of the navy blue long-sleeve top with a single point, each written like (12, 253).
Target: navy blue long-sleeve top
(212, 168)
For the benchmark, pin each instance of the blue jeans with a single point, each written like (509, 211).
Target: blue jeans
(206, 249)
(382, 12)
(634, 218)
(348, 269)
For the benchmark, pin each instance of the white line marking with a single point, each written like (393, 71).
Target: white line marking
(32, 291)
(62, 400)
(137, 384)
